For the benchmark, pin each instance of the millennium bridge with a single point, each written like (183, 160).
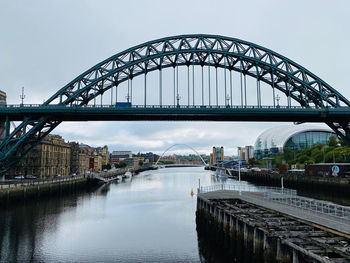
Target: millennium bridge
(187, 77)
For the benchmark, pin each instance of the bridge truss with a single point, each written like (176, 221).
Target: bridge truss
(219, 59)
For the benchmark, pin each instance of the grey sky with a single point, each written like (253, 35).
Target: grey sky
(45, 44)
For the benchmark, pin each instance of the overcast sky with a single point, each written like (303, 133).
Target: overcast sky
(45, 44)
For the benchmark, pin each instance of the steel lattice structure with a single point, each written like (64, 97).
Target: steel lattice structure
(231, 54)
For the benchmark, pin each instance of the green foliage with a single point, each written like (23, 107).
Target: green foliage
(140, 163)
(288, 154)
(253, 162)
(120, 165)
(302, 158)
(342, 142)
(316, 154)
(106, 166)
(332, 141)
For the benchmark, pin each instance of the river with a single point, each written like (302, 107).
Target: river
(148, 218)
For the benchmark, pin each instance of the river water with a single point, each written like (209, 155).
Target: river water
(148, 218)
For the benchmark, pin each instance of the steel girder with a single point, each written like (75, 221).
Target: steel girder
(250, 59)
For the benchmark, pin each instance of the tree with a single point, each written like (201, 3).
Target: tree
(288, 154)
(251, 161)
(140, 163)
(106, 166)
(120, 165)
(332, 141)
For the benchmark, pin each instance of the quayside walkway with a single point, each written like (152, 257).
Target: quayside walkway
(292, 227)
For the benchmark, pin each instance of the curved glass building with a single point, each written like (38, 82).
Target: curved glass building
(298, 137)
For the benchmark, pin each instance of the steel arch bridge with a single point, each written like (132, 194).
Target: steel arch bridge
(307, 97)
(181, 144)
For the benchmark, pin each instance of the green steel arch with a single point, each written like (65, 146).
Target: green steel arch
(256, 61)
(281, 73)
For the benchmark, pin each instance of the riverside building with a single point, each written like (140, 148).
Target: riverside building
(79, 163)
(217, 155)
(246, 153)
(103, 152)
(298, 137)
(51, 157)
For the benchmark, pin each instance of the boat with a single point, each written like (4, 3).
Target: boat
(221, 172)
(128, 174)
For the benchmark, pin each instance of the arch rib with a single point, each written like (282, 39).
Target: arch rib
(178, 144)
(203, 50)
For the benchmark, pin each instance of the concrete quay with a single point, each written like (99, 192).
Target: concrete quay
(273, 232)
(21, 190)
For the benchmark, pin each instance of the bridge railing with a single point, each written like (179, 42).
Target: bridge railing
(246, 188)
(108, 106)
(319, 206)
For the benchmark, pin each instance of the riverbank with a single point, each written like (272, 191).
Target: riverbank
(19, 192)
(332, 189)
(28, 190)
(299, 181)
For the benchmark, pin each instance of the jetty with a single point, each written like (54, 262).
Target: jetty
(277, 224)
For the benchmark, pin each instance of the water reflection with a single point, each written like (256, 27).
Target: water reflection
(149, 218)
(22, 228)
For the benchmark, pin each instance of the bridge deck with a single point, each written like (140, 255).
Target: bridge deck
(156, 112)
(329, 222)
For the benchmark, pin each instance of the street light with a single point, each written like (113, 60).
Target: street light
(228, 100)
(178, 98)
(278, 100)
(22, 96)
(239, 164)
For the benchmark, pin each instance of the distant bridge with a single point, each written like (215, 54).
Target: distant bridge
(181, 144)
(187, 77)
(182, 165)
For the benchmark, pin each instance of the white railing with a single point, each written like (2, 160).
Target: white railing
(245, 188)
(319, 206)
(287, 197)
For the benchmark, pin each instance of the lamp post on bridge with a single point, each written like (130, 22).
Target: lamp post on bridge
(278, 100)
(239, 164)
(22, 96)
(228, 100)
(178, 98)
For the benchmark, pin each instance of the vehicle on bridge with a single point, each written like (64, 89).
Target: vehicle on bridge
(123, 104)
(29, 176)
